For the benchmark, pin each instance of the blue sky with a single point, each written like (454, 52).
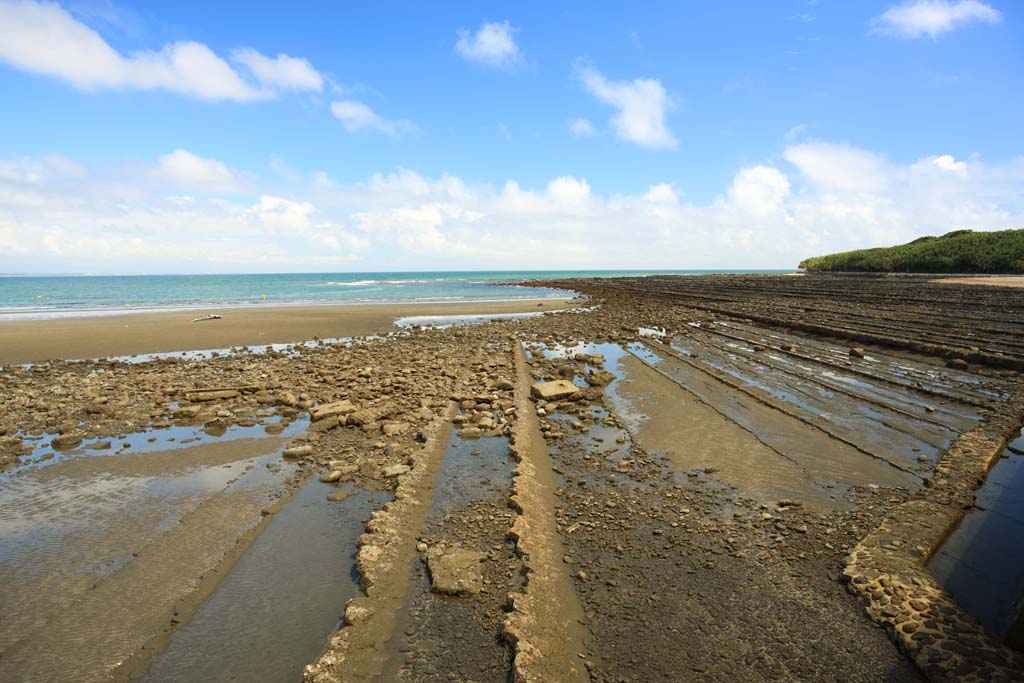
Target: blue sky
(206, 137)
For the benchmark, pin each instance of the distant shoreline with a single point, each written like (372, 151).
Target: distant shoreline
(64, 297)
(26, 341)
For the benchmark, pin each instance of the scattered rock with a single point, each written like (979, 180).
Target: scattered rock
(957, 364)
(331, 477)
(298, 451)
(395, 428)
(213, 395)
(65, 442)
(333, 409)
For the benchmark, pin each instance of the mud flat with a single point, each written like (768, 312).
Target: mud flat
(721, 478)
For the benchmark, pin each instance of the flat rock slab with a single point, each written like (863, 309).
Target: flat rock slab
(212, 395)
(393, 471)
(333, 409)
(554, 391)
(455, 572)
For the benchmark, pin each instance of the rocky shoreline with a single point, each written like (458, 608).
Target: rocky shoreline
(616, 544)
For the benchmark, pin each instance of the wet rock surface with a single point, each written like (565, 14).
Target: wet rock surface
(681, 566)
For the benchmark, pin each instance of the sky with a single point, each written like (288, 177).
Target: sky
(229, 137)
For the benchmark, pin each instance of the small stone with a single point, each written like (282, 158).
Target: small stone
(298, 451)
(392, 471)
(331, 477)
(66, 442)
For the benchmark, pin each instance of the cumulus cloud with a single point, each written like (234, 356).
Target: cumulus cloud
(641, 106)
(759, 190)
(356, 116)
(283, 72)
(44, 38)
(193, 171)
(838, 167)
(492, 45)
(662, 193)
(54, 209)
(932, 18)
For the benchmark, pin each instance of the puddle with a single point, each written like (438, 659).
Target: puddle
(278, 606)
(96, 550)
(151, 440)
(473, 469)
(982, 563)
(446, 321)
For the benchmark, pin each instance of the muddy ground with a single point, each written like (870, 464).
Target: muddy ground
(684, 511)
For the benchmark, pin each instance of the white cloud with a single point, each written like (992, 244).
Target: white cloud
(662, 193)
(44, 38)
(53, 209)
(932, 18)
(582, 128)
(838, 167)
(759, 190)
(284, 72)
(189, 170)
(492, 45)
(355, 116)
(947, 163)
(641, 103)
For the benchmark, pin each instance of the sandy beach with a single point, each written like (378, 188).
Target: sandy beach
(24, 341)
(987, 280)
(786, 466)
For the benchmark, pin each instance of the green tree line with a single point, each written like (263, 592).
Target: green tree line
(960, 251)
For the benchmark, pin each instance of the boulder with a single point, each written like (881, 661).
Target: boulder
(857, 352)
(554, 391)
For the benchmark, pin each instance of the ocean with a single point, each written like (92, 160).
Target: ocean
(39, 297)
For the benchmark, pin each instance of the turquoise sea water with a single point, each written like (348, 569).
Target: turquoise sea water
(47, 297)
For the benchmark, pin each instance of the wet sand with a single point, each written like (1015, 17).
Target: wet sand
(25, 341)
(990, 280)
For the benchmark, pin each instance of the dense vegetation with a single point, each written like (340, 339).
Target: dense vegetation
(960, 251)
